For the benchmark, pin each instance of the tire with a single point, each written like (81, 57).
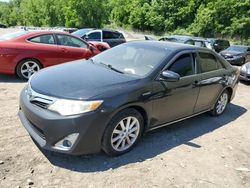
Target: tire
(26, 68)
(221, 104)
(116, 137)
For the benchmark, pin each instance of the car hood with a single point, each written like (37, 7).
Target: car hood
(231, 53)
(79, 80)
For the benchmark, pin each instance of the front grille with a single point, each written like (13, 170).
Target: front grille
(40, 100)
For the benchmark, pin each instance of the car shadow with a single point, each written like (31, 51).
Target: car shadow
(151, 145)
(5, 78)
(247, 83)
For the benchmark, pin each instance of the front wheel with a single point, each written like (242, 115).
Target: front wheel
(123, 132)
(221, 104)
(26, 68)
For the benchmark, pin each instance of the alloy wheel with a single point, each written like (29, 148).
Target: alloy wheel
(125, 134)
(222, 103)
(29, 68)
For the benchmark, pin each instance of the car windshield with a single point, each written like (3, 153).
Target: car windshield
(237, 48)
(81, 32)
(12, 35)
(133, 58)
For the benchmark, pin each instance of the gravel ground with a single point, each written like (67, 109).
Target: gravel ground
(203, 151)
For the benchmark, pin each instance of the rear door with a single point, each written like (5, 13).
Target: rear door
(72, 48)
(211, 84)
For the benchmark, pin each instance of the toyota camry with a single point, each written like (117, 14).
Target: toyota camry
(109, 101)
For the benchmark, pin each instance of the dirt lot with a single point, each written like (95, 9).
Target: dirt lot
(202, 152)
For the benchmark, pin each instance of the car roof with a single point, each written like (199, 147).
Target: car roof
(179, 37)
(171, 45)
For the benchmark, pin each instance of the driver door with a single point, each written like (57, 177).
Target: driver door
(175, 100)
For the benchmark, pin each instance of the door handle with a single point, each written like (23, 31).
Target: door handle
(195, 83)
(64, 50)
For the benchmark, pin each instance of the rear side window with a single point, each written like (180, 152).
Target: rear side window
(66, 40)
(44, 39)
(208, 62)
(183, 65)
(112, 35)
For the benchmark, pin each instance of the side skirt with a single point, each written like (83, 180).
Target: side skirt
(175, 121)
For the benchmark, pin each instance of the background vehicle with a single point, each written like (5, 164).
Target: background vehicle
(178, 38)
(26, 52)
(218, 44)
(137, 87)
(3, 26)
(237, 54)
(81, 32)
(196, 41)
(113, 38)
(245, 72)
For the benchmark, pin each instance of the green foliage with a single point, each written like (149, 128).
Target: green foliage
(207, 18)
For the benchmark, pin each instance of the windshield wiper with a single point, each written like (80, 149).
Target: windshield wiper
(111, 67)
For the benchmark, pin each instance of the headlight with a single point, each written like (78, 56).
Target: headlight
(244, 68)
(74, 107)
(238, 56)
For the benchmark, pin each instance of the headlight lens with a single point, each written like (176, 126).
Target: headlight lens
(244, 68)
(74, 107)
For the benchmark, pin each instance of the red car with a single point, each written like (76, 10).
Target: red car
(26, 52)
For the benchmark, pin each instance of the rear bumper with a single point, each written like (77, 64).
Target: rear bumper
(48, 128)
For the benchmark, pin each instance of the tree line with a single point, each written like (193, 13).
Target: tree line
(207, 18)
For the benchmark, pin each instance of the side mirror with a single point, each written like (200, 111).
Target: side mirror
(85, 37)
(92, 48)
(170, 76)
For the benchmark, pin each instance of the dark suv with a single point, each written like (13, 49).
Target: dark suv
(113, 38)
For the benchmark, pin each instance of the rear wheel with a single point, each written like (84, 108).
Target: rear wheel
(26, 68)
(221, 104)
(123, 132)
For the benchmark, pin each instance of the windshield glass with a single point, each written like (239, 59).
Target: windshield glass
(81, 32)
(12, 35)
(133, 58)
(237, 48)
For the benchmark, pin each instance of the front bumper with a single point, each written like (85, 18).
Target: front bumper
(48, 128)
(236, 61)
(244, 76)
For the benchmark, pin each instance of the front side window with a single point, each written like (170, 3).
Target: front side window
(207, 62)
(191, 42)
(66, 40)
(183, 65)
(94, 36)
(44, 39)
